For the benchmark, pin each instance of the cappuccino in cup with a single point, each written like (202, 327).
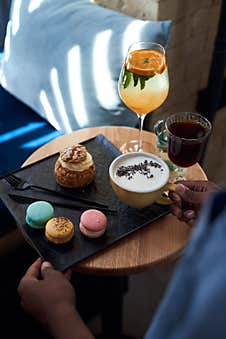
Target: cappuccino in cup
(139, 178)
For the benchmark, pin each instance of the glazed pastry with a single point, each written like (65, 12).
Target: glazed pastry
(59, 230)
(93, 223)
(38, 213)
(75, 167)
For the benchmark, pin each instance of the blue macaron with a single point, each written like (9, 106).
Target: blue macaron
(38, 213)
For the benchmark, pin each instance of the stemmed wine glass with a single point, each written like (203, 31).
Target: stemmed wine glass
(181, 139)
(143, 84)
(187, 134)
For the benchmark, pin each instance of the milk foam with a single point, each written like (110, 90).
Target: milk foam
(150, 180)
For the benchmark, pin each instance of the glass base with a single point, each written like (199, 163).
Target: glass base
(132, 146)
(174, 168)
(177, 173)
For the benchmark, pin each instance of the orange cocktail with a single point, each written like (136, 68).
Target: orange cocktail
(144, 84)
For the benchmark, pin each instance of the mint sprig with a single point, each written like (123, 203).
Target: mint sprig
(126, 78)
(137, 79)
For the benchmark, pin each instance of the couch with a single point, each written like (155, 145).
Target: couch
(36, 104)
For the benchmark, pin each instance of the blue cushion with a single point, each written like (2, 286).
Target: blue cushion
(22, 131)
(63, 59)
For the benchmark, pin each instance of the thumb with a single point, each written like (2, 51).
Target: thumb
(188, 195)
(68, 274)
(47, 269)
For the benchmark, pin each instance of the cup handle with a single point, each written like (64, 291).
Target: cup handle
(165, 200)
(159, 127)
(171, 186)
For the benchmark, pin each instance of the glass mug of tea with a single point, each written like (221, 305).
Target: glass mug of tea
(187, 134)
(139, 178)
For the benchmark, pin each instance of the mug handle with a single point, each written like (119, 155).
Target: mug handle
(165, 199)
(171, 186)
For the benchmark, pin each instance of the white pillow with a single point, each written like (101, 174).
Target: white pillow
(63, 59)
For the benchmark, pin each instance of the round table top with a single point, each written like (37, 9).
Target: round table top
(158, 242)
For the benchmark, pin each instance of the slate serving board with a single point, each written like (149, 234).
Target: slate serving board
(126, 221)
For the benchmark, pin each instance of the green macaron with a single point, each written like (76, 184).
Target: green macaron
(38, 213)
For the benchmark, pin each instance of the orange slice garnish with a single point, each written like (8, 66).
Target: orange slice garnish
(146, 62)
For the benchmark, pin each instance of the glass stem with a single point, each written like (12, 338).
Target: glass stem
(141, 122)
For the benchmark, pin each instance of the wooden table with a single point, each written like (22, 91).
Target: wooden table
(156, 243)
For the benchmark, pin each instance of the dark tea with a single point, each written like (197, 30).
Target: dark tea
(186, 141)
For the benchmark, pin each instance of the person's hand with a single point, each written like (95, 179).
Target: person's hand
(47, 295)
(45, 292)
(189, 197)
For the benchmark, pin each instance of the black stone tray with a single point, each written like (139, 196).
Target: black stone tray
(126, 221)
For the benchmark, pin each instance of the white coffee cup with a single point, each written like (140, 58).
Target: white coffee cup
(139, 178)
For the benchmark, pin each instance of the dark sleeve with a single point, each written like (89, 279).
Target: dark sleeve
(194, 306)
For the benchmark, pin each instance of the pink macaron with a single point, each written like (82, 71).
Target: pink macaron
(93, 223)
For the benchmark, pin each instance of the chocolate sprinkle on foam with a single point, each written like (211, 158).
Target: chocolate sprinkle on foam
(143, 168)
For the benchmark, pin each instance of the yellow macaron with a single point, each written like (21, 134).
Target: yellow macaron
(59, 230)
